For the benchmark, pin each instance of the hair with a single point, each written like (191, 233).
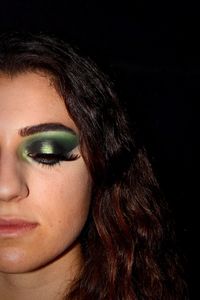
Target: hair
(128, 242)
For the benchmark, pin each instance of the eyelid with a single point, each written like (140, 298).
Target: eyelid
(64, 138)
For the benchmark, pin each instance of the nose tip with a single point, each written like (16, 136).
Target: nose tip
(12, 184)
(11, 191)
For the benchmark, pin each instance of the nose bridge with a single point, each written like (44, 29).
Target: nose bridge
(12, 182)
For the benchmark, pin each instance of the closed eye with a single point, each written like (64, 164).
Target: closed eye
(50, 148)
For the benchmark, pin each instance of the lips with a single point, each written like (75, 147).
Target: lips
(15, 227)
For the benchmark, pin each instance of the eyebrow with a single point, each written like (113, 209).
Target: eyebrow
(29, 130)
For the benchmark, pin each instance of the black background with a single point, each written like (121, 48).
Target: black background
(151, 51)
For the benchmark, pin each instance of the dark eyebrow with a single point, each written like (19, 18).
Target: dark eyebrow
(29, 130)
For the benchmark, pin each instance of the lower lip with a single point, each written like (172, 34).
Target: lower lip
(14, 230)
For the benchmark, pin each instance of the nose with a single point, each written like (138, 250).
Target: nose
(12, 182)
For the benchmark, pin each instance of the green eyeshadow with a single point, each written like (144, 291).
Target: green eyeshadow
(48, 143)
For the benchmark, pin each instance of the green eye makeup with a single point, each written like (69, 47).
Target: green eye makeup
(50, 147)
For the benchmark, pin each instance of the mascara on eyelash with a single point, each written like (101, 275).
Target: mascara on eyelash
(52, 160)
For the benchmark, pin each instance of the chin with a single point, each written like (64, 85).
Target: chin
(15, 261)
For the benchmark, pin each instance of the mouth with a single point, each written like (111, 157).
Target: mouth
(15, 227)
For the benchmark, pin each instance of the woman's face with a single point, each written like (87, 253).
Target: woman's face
(44, 182)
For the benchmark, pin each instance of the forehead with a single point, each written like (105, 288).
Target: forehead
(28, 99)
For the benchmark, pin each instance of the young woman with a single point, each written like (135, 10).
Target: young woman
(81, 214)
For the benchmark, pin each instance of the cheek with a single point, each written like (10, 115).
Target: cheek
(68, 208)
(64, 194)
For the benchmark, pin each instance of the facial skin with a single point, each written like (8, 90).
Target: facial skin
(43, 178)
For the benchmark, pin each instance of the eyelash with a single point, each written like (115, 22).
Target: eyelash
(50, 160)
